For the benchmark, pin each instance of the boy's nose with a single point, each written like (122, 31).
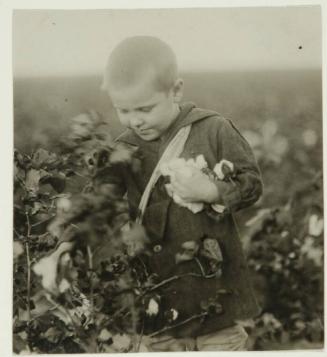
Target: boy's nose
(136, 121)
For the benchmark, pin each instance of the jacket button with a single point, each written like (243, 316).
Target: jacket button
(157, 248)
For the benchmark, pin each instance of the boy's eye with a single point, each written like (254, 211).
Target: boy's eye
(123, 111)
(145, 109)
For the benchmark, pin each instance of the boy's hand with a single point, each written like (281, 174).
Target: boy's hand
(194, 186)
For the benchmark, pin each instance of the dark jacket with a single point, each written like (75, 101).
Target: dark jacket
(169, 225)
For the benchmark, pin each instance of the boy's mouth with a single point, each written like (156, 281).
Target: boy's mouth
(142, 131)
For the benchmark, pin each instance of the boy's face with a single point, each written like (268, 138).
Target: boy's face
(146, 110)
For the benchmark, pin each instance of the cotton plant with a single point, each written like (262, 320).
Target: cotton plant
(186, 168)
(268, 144)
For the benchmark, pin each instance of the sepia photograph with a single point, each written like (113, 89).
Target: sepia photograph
(167, 179)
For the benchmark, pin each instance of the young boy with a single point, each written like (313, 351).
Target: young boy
(142, 81)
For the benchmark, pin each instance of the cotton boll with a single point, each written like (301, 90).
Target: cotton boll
(63, 205)
(310, 137)
(222, 167)
(169, 189)
(269, 128)
(104, 335)
(121, 342)
(46, 267)
(175, 314)
(316, 225)
(165, 170)
(195, 207)
(252, 138)
(153, 308)
(200, 162)
(18, 249)
(186, 171)
(191, 162)
(176, 164)
(63, 286)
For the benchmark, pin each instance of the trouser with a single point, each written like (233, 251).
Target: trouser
(229, 339)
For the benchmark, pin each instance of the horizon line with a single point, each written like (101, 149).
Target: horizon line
(193, 71)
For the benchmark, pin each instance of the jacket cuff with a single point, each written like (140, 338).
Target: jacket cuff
(230, 194)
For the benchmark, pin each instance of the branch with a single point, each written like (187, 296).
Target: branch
(200, 266)
(167, 328)
(134, 323)
(28, 260)
(176, 277)
(90, 260)
(41, 222)
(17, 234)
(137, 349)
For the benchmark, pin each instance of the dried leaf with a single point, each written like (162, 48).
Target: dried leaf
(211, 250)
(33, 178)
(53, 334)
(43, 158)
(57, 181)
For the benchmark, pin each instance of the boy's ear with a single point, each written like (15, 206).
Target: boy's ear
(178, 90)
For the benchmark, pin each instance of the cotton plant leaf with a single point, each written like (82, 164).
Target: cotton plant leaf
(33, 177)
(43, 159)
(57, 181)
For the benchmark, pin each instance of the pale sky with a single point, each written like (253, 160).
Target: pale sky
(74, 42)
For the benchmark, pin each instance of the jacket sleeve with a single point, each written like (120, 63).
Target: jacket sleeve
(247, 186)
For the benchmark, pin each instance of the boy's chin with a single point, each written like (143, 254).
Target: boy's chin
(148, 136)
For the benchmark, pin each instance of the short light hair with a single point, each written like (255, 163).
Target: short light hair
(135, 56)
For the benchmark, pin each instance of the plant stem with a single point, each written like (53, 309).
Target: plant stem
(176, 277)
(64, 311)
(200, 266)
(167, 328)
(232, 181)
(90, 259)
(140, 338)
(41, 222)
(17, 234)
(28, 260)
(134, 323)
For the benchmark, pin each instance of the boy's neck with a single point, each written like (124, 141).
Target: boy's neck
(164, 136)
